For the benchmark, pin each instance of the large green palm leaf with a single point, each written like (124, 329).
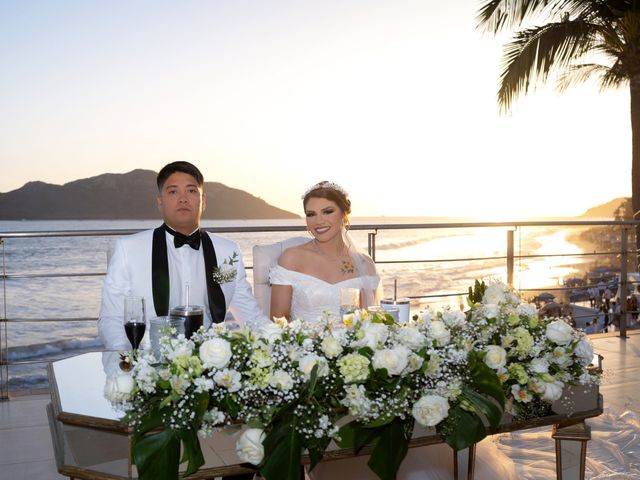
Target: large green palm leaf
(535, 52)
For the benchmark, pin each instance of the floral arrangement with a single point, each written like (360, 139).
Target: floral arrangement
(292, 384)
(226, 271)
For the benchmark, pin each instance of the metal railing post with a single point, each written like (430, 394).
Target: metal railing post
(371, 244)
(4, 344)
(623, 281)
(510, 257)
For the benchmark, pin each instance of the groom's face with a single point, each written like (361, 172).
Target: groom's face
(181, 202)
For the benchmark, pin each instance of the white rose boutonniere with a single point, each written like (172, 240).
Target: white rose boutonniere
(227, 271)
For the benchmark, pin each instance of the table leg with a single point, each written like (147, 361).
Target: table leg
(571, 450)
(464, 463)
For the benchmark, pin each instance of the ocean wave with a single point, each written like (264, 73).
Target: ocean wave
(38, 350)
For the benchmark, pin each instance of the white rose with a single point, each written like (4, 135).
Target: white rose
(281, 380)
(552, 391)
(412, 338)
(229, 379)
(430, 410)
(394, 359)
(496, 357)
(270, 332)
(440, 333)
(331, 347)
(491, 311)
(494, 294)
(249, 446)
(372, 335)
(118, 387)
(453, 317)
(559, 332)
(584, 351)
(539, 365)
(179, 347)
(527, 310)
(215, 353)
(306, 364)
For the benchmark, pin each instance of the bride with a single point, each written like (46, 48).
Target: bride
(308, 279)
(306, 284)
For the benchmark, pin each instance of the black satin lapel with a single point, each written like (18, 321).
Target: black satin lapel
(217, 303)
(160, 272)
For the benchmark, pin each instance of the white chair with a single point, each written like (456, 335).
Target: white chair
(264, 258)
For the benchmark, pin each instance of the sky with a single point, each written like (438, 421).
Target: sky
(394, 100)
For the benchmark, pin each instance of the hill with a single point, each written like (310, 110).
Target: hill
(605, 210)
(123, 196)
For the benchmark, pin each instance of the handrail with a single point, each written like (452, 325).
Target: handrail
(372, 228)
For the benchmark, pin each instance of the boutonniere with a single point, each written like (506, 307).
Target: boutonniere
(227, 271)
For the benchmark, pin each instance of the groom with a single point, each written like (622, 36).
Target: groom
(159, 264)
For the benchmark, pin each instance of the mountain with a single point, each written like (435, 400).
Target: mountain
(605, 210)
(123, 196)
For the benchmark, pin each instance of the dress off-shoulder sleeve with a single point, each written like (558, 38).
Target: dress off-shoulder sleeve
(280, 276)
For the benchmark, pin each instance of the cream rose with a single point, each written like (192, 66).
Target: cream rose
(118, 387)
(430, 410)
(559, 332)
(331, 347)
(394, 360)
(215, 353)
(494, 294)
(439, 332)
(552, 391)
(584, 351)
(249, 446)
(281, 380)
(306, 364)
(371, 334)
(496, 357)
(412, 338)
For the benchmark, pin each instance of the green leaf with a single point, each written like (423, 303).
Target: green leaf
(156, 455)
(355, 435)
(484, 379)
(461, 428)
(282, 449)
(489, 409)
(391, 448)
(192, 453)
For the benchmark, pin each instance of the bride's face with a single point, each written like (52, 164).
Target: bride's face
(324, 218)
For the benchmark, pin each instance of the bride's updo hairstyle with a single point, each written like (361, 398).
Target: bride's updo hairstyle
(331, 191)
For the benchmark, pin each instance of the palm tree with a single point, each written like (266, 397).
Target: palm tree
(577, 32)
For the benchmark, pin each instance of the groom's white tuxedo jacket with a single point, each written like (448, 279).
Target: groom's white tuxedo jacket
(130, 273)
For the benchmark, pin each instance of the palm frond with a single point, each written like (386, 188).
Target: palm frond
(496, 15)
(613, 78)
(536, 51)
(576, 74)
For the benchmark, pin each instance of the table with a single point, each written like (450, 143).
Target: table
(90, 442)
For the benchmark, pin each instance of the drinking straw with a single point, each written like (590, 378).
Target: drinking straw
(187, 294)
(395, 289)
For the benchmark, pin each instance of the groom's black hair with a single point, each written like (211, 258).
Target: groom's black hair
(184, 167)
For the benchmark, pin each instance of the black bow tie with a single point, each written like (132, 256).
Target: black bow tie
(180, 239)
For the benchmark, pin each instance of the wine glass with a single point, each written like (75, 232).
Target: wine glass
(134, 320)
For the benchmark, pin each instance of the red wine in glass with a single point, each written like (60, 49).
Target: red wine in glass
(135, 332)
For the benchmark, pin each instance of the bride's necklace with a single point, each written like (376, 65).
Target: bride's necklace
(346, 265)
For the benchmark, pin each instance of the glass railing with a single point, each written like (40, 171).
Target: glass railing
(51, 280)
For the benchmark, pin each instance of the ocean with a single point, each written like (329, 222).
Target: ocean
(448, 265)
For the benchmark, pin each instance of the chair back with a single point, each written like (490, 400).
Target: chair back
(264, 258)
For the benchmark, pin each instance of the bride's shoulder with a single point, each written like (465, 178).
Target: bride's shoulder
(294, 256)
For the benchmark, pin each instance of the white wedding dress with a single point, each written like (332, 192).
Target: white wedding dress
(311, 298)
